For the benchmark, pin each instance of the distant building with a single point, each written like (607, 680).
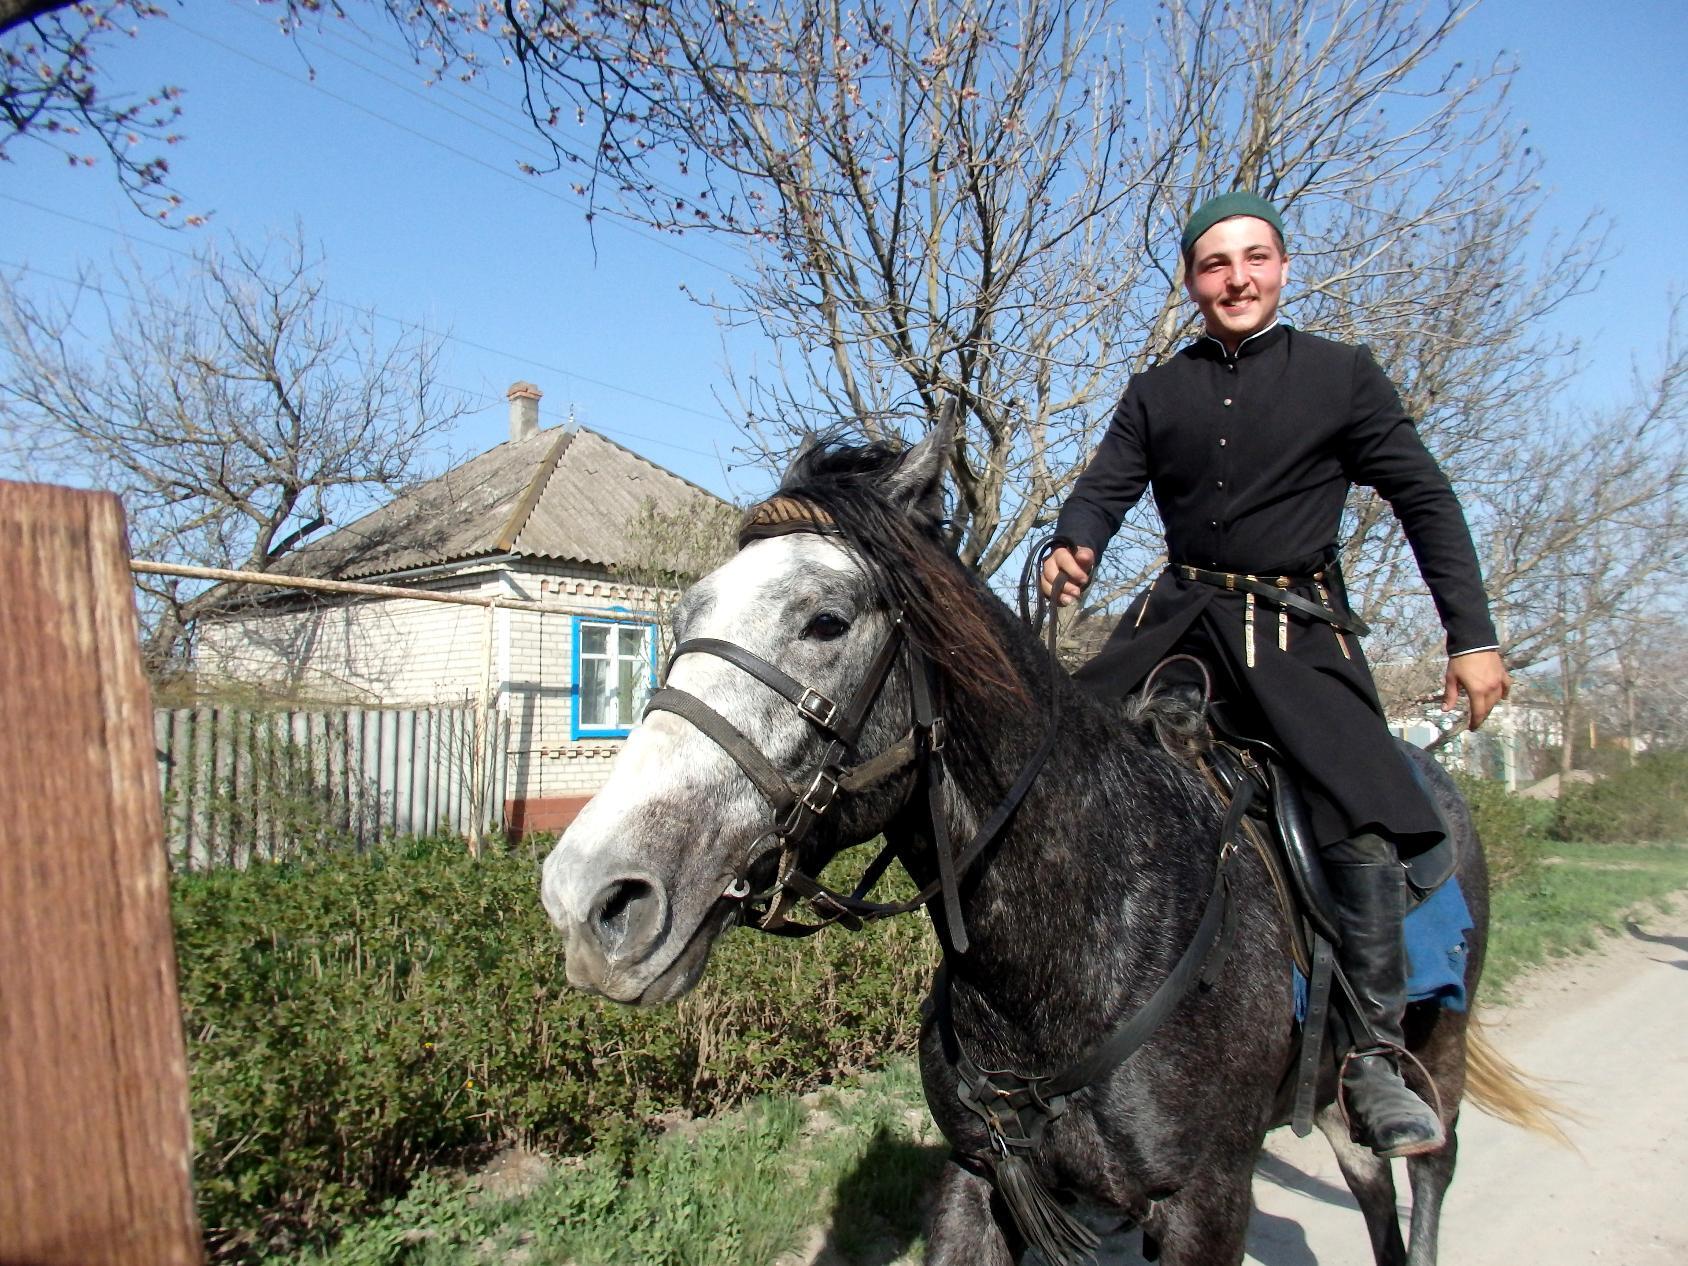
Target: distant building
(547, 516)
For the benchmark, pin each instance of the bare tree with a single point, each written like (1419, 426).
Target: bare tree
(670, 551)
(981, 199)
(51, 93)
(1581, 520)
(232, 410)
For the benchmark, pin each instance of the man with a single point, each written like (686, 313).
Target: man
(1250, 439)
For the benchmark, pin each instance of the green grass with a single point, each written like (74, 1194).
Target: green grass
(750, 1186)
(740, 1190)
(1579, 893)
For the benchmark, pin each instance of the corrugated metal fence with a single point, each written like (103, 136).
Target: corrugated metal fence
(242, 783)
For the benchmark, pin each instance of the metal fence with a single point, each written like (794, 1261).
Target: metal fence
(244, 783)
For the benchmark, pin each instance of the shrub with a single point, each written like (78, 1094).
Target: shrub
(1646, 801)
(353, 1019)
(1512, 828)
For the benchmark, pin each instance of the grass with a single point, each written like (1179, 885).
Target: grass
(750, 1187)
(1581, 892)
(741, 1190)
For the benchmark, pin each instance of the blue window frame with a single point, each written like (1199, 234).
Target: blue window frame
(614, 674)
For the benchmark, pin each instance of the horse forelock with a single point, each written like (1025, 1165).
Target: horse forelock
(943, 606)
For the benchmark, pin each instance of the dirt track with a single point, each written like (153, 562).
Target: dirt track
(1610, 1031)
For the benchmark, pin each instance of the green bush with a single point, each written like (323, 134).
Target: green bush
(355, 1019)
(1512, 828)
(1646, 801)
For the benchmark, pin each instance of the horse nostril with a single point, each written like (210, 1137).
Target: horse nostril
(626, 916)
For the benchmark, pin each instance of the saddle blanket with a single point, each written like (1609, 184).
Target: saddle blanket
(1436, 950)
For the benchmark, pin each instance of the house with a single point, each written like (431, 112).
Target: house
(551, 515)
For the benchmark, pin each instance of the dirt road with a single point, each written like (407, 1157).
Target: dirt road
(1611, 1032)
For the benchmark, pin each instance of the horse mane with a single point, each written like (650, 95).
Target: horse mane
(943, 602)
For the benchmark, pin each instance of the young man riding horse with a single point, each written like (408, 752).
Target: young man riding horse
(1250, 438)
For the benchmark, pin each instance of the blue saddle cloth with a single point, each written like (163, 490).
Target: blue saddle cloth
(1436, 951)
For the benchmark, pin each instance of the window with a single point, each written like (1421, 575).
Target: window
(614, 670)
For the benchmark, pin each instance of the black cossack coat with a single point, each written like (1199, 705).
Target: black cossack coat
(1250, 459)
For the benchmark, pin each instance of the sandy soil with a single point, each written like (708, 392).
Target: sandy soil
(1609, 1031)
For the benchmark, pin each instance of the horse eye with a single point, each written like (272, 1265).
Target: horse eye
(826, 626)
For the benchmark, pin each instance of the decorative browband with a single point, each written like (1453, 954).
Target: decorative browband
(779, 515)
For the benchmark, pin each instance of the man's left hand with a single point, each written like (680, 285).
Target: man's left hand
(1483, 677)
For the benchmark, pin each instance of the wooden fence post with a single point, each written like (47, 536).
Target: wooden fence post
(95, 1142)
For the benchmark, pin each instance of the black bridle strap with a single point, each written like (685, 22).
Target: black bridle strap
(823, 711)
(925, 719)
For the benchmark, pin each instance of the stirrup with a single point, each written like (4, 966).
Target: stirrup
(1425, 1135)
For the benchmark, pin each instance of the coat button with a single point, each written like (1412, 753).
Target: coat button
(1221, 441)
(1227, 402)
(1218, 483)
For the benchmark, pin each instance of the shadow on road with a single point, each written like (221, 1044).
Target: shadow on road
(1275, 1241)
(1276, 1170)
(1653, 938)
(878, 1205)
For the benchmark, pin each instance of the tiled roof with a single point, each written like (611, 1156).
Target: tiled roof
(568, 495)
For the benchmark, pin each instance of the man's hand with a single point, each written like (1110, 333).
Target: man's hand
(1071, 565)
(1483, 678)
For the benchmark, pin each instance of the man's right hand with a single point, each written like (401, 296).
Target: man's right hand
(1071, 565)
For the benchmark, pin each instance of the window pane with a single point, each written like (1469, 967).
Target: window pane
(595, 696)
(594, 639)
(631, 641)
(634, 686)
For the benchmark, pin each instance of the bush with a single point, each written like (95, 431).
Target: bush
(1646, 801)
(358, 1018)
(1513, 829)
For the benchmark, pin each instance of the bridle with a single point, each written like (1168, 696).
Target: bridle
(798, 804)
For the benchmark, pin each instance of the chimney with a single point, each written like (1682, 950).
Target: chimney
(524, 409)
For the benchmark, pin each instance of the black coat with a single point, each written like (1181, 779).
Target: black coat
(1250, 459)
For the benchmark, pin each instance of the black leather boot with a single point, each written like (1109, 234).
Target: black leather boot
(1384, 1114)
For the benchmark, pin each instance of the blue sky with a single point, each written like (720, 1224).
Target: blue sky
(421, 215)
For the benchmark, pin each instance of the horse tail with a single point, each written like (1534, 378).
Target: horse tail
(1500, 1088)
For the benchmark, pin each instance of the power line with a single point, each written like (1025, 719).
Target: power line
(370, 311)
(450, 149)
(490, 400)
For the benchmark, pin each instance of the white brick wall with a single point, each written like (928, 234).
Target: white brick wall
(395, 652)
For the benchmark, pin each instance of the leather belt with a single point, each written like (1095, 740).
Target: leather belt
(1278, 590)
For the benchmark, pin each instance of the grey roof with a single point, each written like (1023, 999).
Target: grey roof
(566, 495)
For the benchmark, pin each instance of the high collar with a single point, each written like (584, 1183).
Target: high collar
(1257, 342)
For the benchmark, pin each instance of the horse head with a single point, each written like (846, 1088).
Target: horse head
(797, 649)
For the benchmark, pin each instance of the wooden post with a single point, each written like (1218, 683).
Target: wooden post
(95, 1141)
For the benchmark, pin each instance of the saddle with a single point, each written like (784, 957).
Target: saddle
(1251, 769)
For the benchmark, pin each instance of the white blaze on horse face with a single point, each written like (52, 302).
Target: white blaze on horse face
(636, 883)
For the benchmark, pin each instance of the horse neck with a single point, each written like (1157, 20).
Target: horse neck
(1066, 912)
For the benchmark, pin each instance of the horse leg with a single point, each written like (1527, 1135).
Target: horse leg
(1205, 1223)
(1430, 1175)
(964, 1227)
(1373, 1183)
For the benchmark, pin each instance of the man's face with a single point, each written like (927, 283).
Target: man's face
(1237, 271)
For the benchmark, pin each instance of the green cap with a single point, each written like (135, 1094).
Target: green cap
(1225, 207)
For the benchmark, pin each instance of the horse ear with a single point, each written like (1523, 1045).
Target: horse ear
(796, 469)
(917, 482)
